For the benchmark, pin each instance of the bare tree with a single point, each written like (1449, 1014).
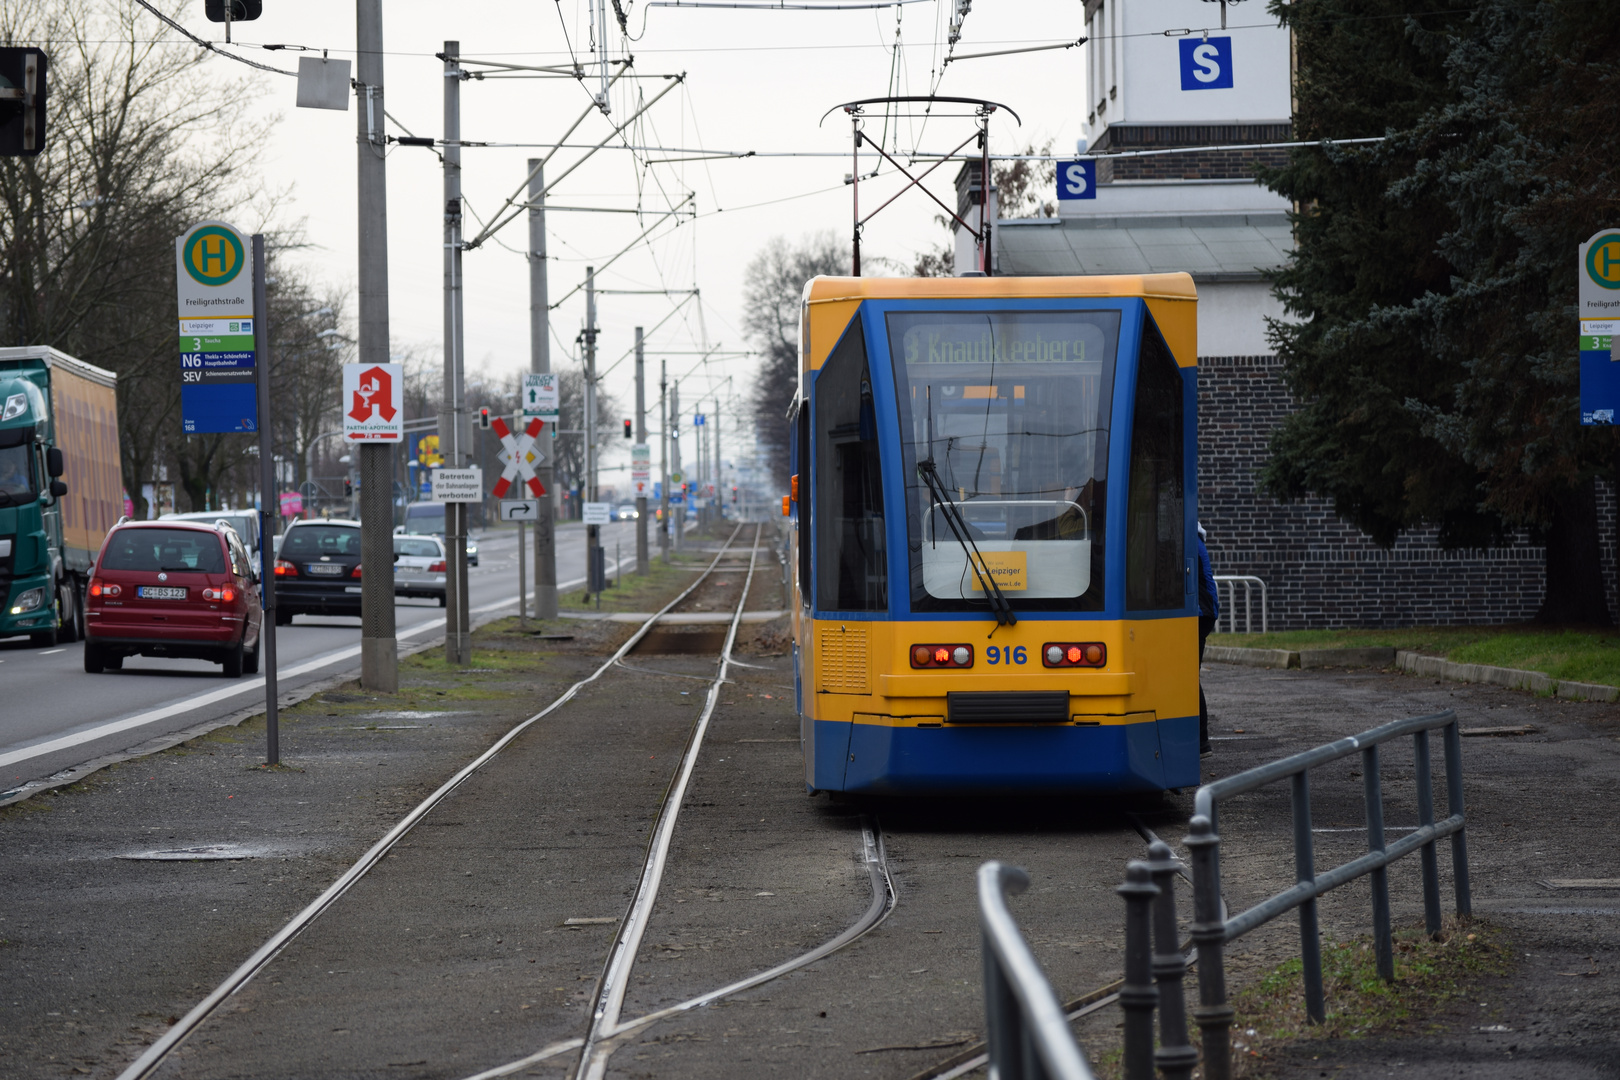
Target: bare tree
(570, 461)
(772, 293)
(140, 145)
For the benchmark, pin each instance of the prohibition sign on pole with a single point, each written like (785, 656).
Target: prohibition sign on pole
(518, 448)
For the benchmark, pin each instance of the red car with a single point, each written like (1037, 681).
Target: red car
(172, 588)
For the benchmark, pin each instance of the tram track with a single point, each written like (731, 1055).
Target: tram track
(154, 1056)
(608, 1030)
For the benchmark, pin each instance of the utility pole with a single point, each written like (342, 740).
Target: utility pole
(719, 465)
(379, 648)
(545, 526)
(663, 459)
(641, 440)
(457, 633)
(596, 579)
(675, 462)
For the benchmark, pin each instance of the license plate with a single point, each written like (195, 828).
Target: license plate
(351, 588)
(324, 569)
(160, 592)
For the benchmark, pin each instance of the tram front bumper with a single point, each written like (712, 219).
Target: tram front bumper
(901, 759)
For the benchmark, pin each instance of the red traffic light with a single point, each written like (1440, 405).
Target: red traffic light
(627, 429)
(483, 417)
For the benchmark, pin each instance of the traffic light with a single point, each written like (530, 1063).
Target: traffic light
(22, 101)
(241, 10)
(348, 487)
(483, 417)
(734, 493)
(627, 429)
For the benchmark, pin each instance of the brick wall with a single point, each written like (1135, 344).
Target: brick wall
(1322, 572)
(1199, 165)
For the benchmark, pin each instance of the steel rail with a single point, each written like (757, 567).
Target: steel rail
(616, 975)
(158, 1051)
(876, 860)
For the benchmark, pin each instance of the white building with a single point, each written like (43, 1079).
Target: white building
(1161, 75)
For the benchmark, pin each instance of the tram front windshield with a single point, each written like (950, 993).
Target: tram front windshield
(1008, 411)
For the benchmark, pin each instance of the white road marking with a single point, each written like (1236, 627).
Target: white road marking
(197, 701)
(50, 652)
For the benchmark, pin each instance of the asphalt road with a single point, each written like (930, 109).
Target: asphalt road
(54, 716)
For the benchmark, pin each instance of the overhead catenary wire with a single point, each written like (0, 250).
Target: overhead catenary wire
(210, 46)
(500, 223)
(672, 211)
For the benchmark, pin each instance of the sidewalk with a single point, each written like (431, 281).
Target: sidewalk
(1544, 867)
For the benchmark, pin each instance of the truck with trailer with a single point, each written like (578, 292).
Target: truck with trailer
(61, 488)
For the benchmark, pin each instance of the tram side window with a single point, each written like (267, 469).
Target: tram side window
(1155, 523)
(851, 568)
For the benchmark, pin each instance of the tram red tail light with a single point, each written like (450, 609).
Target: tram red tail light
(942, 656)
(1074, 654)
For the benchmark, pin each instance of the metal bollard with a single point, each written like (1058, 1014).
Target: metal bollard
(1176, 1056)
(1372, 787)
(1138, 995)
(1454, 808)
(1426, 854)
(1310, 935)
(1213, 1014)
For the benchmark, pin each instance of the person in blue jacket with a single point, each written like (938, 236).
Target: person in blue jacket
(1209, 610)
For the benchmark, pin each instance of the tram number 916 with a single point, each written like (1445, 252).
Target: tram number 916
(1015, 654)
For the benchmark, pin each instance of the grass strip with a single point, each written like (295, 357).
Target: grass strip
(1579, 654)
(1431, 975)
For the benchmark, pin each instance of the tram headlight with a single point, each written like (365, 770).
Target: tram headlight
(1074, 654)
(942, 656)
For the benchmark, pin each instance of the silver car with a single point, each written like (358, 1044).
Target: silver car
(419, 567)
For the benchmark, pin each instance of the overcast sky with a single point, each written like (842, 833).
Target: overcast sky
(755, 80)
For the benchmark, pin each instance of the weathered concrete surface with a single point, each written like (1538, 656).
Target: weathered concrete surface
(99, 952)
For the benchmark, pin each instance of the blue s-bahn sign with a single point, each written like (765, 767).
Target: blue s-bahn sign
(1206, 63)
(1077, 180)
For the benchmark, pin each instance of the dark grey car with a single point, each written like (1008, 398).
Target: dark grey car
(318, 570)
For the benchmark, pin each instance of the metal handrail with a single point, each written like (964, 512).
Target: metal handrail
(1229, 608)
(1029, 1036)
(1212, 928)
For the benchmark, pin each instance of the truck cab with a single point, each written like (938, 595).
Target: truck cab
(58, 416)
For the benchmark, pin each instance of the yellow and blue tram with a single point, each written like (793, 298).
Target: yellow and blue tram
(993, 521)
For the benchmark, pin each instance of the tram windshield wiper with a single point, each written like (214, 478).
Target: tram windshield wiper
(999, 604)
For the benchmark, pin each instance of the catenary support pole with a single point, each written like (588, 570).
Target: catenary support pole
(719, 466)
(674, 420)
(642, 558)
(545, 527)
(457, 638)
(594, 579)
(267, 507)
(663, 459)
(379, 647)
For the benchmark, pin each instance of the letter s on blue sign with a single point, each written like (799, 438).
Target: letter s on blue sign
(1077, 180)
(1206, 63)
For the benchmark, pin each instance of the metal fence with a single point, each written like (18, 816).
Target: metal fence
(1028, 1034)
(1226, 586)
(1211, 930)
